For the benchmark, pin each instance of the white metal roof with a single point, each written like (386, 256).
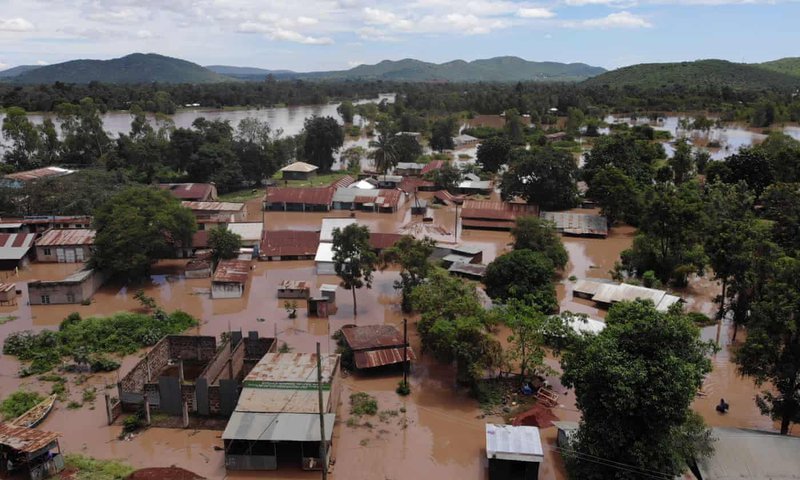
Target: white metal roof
(301, 167)
(330, 224)
(740, 453)
(507, 442)
(277, 427)
(585, 324)
(249, 231)
(324, 253)
(363, 185)
(479, 185)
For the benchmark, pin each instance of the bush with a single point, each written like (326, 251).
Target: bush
(701, 319)
(88, 468)
(362, 403)
(101, 363)
(18, 403)
(403, 388)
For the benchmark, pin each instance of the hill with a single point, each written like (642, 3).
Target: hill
(13, 72)
(247, 73)
(134, 68)
(696, 74)
(498, 69)
(788, 65)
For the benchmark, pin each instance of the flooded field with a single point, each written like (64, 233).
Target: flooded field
(436, 432)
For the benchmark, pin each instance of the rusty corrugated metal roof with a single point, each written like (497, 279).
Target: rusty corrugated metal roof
(307, 195)
(24, 439)
(431, 166)
(381, 357)
(278, 243)
(409, 184)
(294, 285)
(372, 336)
(190, 191)
(213, 206)
(379, 241)
(66, 237)
(489, 210)
(39, 173)
(345, 181)
(232, 271)
(295, 368)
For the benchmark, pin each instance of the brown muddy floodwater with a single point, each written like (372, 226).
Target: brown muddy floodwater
(440, 433)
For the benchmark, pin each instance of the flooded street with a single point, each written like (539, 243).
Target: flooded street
(436, 432)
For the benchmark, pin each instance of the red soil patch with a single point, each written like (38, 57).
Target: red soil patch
(538, 416)
(165, 473)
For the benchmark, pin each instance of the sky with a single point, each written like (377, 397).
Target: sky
(312, 35)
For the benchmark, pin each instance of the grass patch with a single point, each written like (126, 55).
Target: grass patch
(88, 468)
(385, 415)
(73, 405)
(18, 403)
(321, 180)
(59, 390)
(242, 196)
(51, 377)
(7, 318)
(701, 319)
(122, 333)
(362, 403)
(89, 395)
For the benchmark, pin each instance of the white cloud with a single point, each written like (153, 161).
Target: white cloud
(622, 19)
(143, 34)
(307, 21)
(278, 33)
(41, 62)
(124, 16)
(354, 63)
(535, 12)
(15, 25)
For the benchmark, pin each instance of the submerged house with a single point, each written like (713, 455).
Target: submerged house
(288, 245)
(72, 245)
(491, 215)
(514, 452)
(230, 278)
(277, 417)
(19, 179)
(605, 293)
(76, 288)
(306, 199)
(16, 250)
(376, 345)
(578, 224)
(29, 452)
(217, 212)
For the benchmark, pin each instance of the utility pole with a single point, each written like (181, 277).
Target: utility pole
(323, 445)
(455, 232)
(405, 352)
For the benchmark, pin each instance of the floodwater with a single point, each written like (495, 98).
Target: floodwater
(730, 136)
(288, 119)
(436, 432)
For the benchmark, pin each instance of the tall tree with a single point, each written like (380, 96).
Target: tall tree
(406, 147)
(618, 194)
(353, 258)
(323, 137)
(771, 352)
(634, 384)
(539, 235)
(24, 138)
(514, 128)
(224, 243)
(384, 153)
(493, 153)
(136, 227)
(782, 206)
(524, 275)
(682, 161)
(545, 176)
(634, 156)
(85, 141)
(442, 132)
(412, 256)
(346, 110)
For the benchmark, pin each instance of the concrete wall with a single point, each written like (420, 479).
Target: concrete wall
(202, 273)
(42, 254)
(226, 290)
(299, 175)
(60, 292)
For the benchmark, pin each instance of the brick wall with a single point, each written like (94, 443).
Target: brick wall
(154, 361)
(218, 367)
(192, 347)
(213, 400)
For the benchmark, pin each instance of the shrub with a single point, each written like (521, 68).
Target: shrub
(362, 403)
(101, 363)
(88, 468)
(18, 403)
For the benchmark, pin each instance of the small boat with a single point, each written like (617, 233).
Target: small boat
(35, 415)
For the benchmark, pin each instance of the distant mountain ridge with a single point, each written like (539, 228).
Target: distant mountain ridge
(15, 71)
(778, 74)
(133, 68)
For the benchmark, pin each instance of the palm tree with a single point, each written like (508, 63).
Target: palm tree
(384, 156)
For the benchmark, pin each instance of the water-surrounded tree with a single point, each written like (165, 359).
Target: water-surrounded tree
(544, 176)
(442, 132)
(323, 137)
(524, 275)
(346, 110)
(136, 227)
(682, 161)
(384, 154)
(618, 194)
(412, 256)
(538, 235)
(771, 352)
(353, 258)
(493, 153)
(634, 385)
(224, 244)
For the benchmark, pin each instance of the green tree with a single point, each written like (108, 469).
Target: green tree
(634, 384)
(493, 153)
(406, 148)
(682, 161)
(524, 275)
(224, 243)
(323, 137)
(412, 256)
(24, 138)
(771, 352)
(514, 128)
(353, 258)
(539, 235)
(136, 227)
(442, 132)
(575, 120)
(751, 166)
(618, 194)
(85, 140)
(669, 241)
(346, 110)
(448, 177)
(545, 176)
(781, 203)
(453, 325)
(384, 154)
(352, 158)
(634, 156)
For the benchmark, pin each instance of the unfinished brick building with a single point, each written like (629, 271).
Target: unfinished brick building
(192, 370)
